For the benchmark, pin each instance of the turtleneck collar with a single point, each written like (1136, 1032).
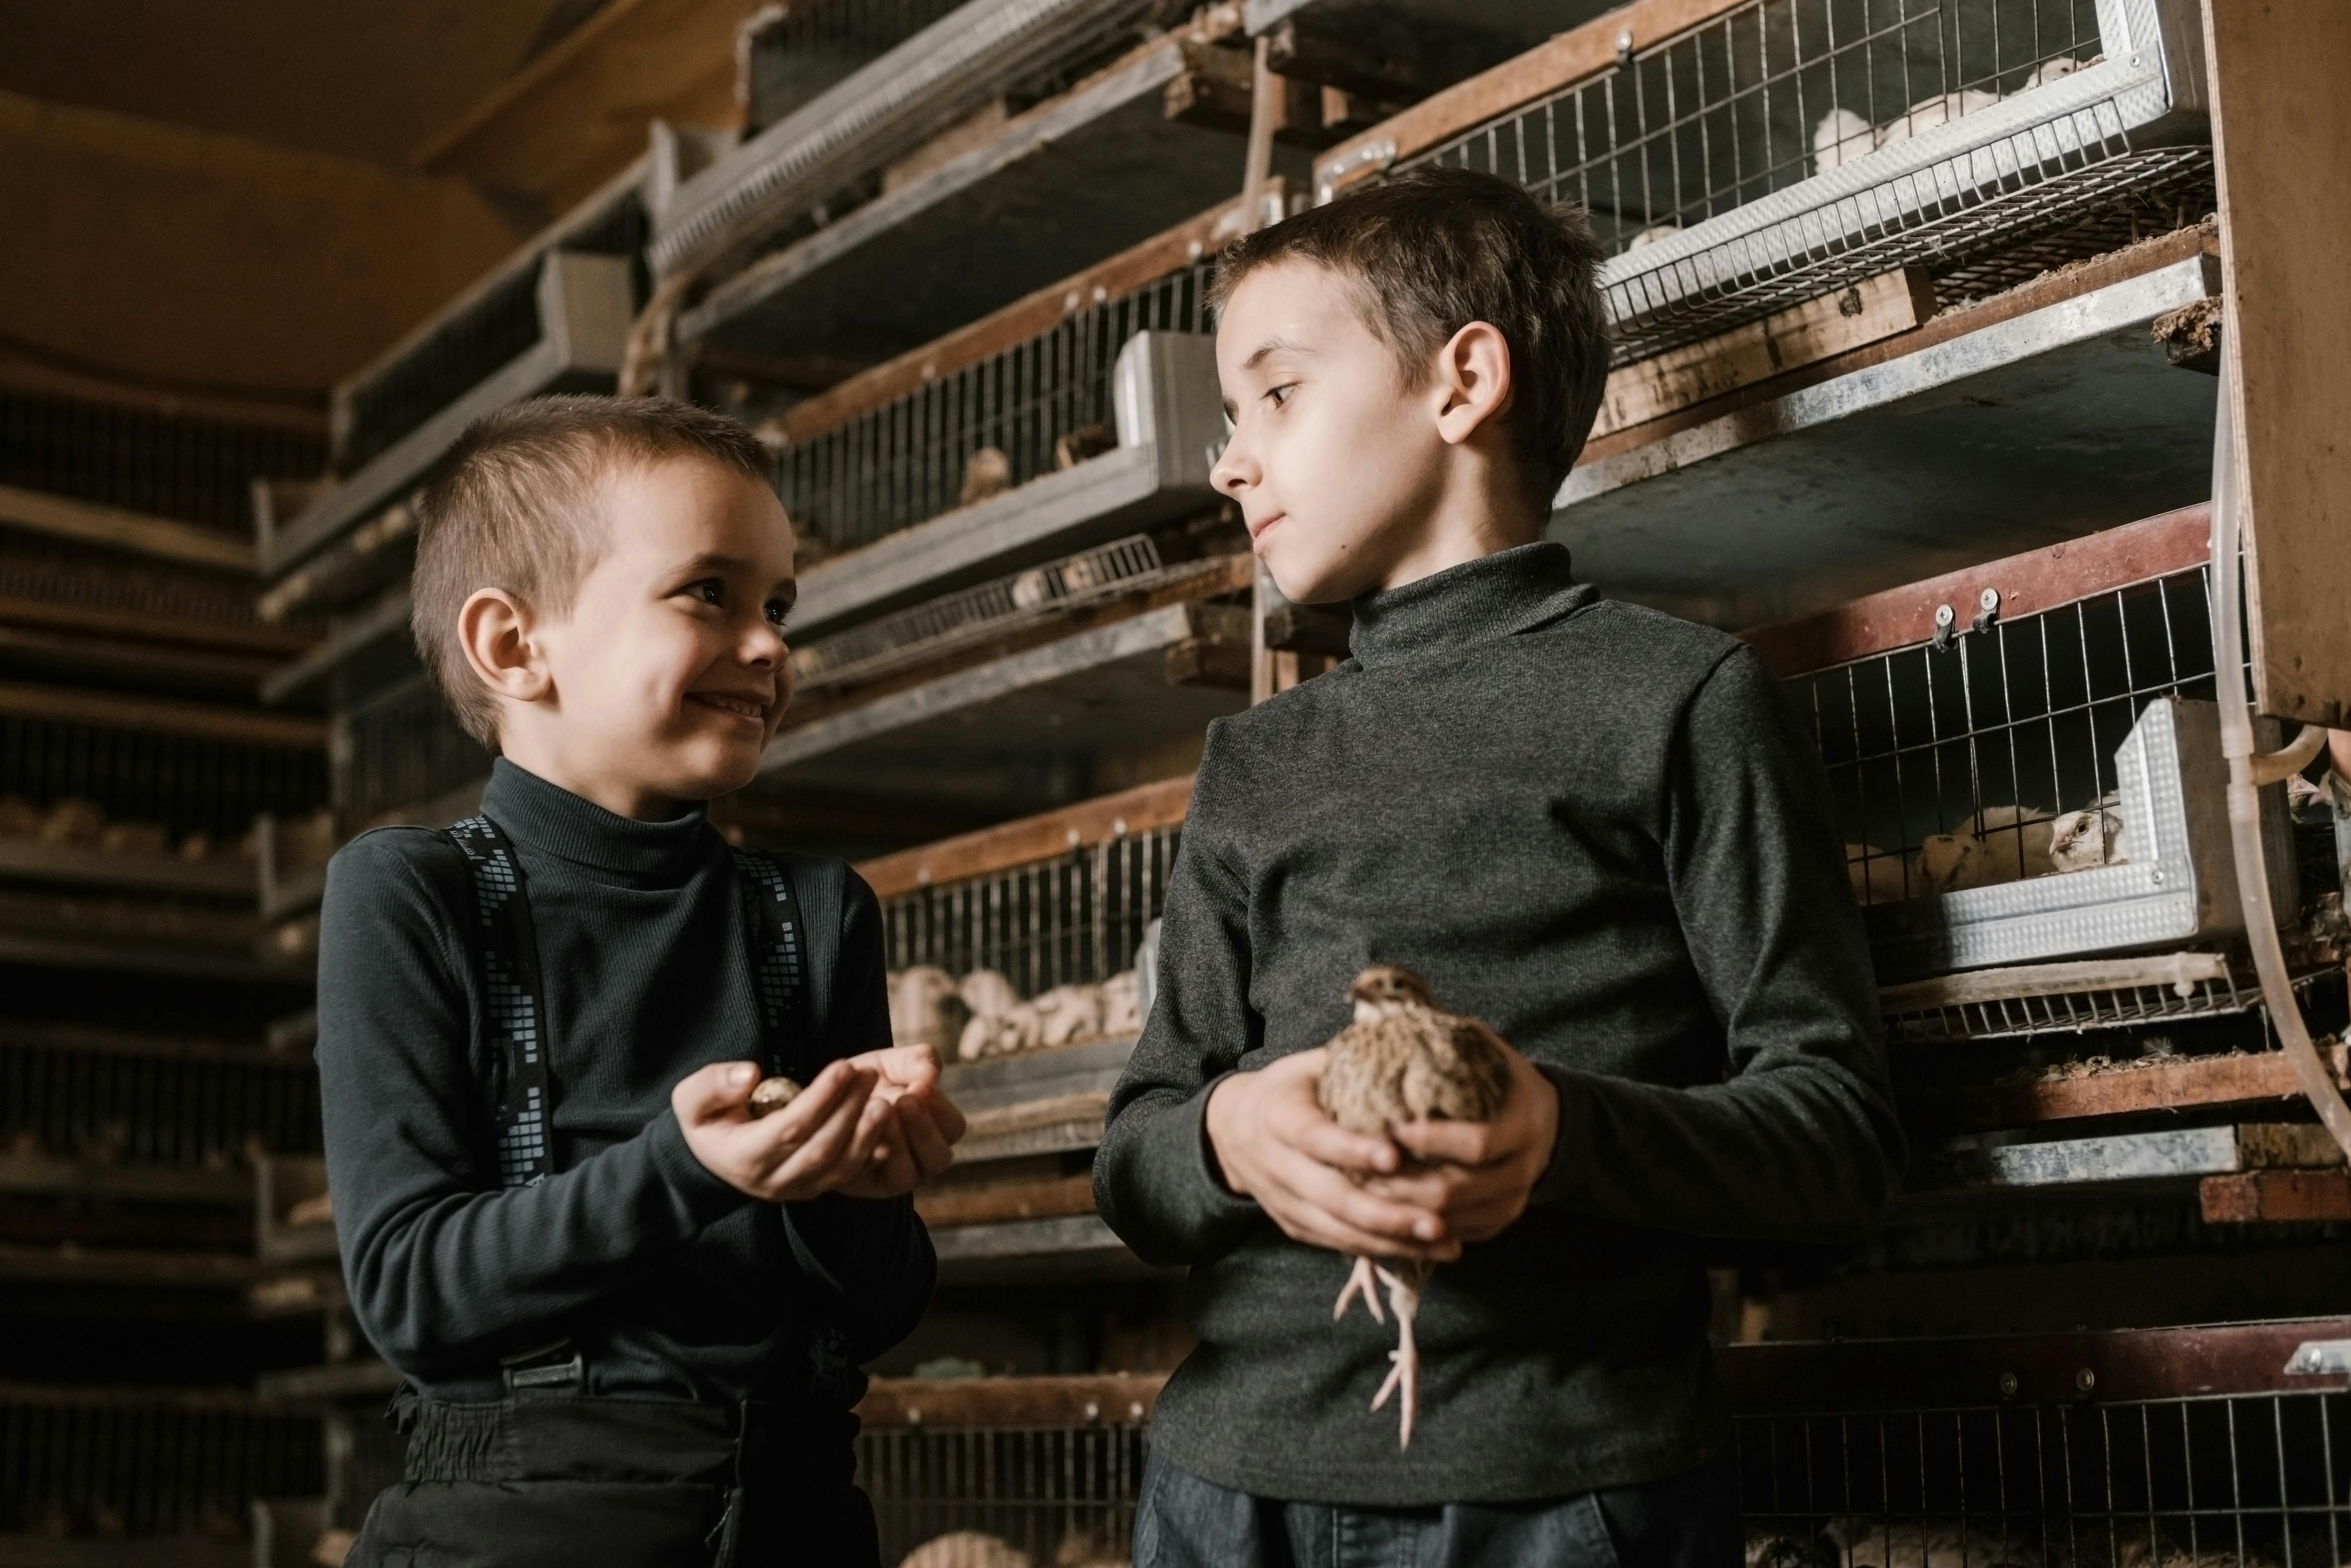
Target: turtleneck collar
(1475, 602)
(552, 820)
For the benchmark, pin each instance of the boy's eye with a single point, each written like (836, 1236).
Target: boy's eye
(1280, 394)
(778, 614)
(711, 592)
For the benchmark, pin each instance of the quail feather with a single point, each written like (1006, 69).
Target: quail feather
(1405, 1059)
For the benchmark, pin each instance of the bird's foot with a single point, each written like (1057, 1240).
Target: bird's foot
(1404, 1369)
(1361, 1283)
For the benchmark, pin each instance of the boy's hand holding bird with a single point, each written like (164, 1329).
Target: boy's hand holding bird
(872, 1125)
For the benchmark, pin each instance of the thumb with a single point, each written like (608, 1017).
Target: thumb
(720, 1087)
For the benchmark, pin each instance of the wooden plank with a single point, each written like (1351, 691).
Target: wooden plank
(90, 865)
(1210, 661)
(137, 1268)
(1122, 1399)
(1016, 323)
(48, 1176)
(2035, 581)
(87, 522)
(1041, 1127)
(1874, 309)
(16, 1393)
(2270, 1198)
(21, 1035)
(157, 715)
(2196, 1081)
(1570, 58)
(388, 615)
(182, 669)
(1007, 1200)
(343, 568)
(2280, 125)
(1044, 837)
(255, 637)
(562, 124)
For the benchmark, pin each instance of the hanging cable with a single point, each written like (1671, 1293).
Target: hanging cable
(2248, 770)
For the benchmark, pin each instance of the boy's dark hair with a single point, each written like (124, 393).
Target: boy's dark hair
(518, 506)
(1431, 251)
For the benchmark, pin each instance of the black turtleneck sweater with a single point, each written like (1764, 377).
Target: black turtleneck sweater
(1606, 832)
(672, 1283)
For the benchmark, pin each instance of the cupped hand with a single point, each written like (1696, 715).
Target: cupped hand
(1274, 1144)
(824, 1139)
(915, 1126)
(1478, 1177)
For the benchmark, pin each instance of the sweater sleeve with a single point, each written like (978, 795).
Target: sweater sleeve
(448, 1271)
(873, 1256)
(1155, 1181)
(1799, 1142)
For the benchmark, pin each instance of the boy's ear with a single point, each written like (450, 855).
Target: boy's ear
(1474, 381)
(495, 630)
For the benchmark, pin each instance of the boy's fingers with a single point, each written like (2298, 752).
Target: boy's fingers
(1455, 1143)
(1392, 1223)
(927, 1145)
(824, 1147)
(1325, 1141)
(713, 1090)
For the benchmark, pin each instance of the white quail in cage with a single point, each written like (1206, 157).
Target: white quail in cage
(1841, 137)
(986, 472)
(1405, 1059)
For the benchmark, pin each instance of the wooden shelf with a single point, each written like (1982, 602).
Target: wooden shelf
(44, 1175)
(1116, 1399)
(2029, 418)
(2184, 1084)
(137, 1268)
(29, 860)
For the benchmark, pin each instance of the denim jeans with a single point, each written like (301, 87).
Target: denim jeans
(1683, 1521)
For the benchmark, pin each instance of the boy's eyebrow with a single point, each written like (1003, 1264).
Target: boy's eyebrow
(1274, 345)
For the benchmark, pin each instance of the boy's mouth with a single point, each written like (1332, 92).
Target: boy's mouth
(753, 709)
(1259, 529)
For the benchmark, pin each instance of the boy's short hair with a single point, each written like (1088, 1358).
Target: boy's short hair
(1432, 250)
(517, 507)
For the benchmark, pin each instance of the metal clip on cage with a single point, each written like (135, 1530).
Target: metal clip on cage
(1782, 149)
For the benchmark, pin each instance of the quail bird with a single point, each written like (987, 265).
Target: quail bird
(1405, 1059)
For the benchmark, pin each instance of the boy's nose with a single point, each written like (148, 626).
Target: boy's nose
(1235, 468)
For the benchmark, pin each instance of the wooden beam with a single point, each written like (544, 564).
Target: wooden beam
(2035, 581)
(1039, 838)
(2280, 125)
(1571, 56)
(2188, 1083)
(87, 865)
(1871, 311)
(43, 1175)
(226, 636)
(1119, 1398)
(158, 716)
(2273, 1197)
(997, 1202)
(570, 119)
(91, 523)
(136, 1267)
(1376, 52)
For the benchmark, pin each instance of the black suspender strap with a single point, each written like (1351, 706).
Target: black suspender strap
(778, 963)
(516, 1003)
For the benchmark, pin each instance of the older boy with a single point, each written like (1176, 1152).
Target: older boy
(628, 1310)
(1597, 828)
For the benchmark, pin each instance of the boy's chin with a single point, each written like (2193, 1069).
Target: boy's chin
(705, 774)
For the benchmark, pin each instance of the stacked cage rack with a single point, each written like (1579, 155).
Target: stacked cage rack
(1773, 151)
(91, 1462)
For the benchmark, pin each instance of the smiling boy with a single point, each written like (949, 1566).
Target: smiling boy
(1601, 829)
(627, 1311)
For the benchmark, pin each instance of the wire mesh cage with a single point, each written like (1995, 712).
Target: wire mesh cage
(1038, 405)
(161, 1102)
(197, 469)
(188, 785)
(786, 55)
(475, 340)
(52, 572)
(2005, 738)
(1074, 919)
(399, 748)
(102, 1463)
(1782, 149)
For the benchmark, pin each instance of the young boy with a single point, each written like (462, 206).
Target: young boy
(628, 1308)
(1598, 828)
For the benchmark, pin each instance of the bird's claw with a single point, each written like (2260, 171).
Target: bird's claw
(1361, 1283)
(1403, 1368)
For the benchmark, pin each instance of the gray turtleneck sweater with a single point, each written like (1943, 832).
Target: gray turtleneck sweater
(1606, 832)
(671, 1282)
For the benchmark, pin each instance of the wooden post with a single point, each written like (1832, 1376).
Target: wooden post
(2281, 126)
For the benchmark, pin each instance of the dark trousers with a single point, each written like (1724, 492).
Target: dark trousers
(556, 1481)
(1685, 1521)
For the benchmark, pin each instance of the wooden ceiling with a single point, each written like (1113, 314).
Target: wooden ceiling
(229, 206)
